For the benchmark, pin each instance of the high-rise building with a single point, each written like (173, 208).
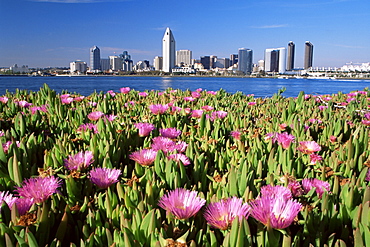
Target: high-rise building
(290, 60)
(78, 66)
(206, 62)
(95, 58)
(233, 59)
(245, 57)
(308, 55)
(168, 51)
(183, 57)
(105, 64)
(222, 63)
(275, 60)
(158, 63)
(115, 63)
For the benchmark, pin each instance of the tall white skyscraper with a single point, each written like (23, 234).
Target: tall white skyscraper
(183, 57)
(168, 51)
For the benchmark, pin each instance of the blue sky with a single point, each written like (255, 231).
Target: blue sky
(41, 33)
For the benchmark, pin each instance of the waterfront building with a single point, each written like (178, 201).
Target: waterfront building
(16, 69)
(183, 58)
(115, 63)
(168, 51)
(212, 60)
(158, 63)
(275, 60)
(354, 67)
(127, 65)
(185, 70)
(261, 65)
(105, 64)
(206, 62)
(222, 63)
(142, 66)
(78, 66)
(290, 60)
(95, 58)
(308, 55)
(233, 59)
(245, 57)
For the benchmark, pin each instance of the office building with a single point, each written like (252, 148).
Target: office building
(206, 62)
(275, 60)
(105, 64)
(95, 58)
(115, 63)
(158, 63)
(168, 51)
(308, 55)
(222, 63)
(233, 59)
(245, 57)
(183, 58)
(290, 59)
(78, 66)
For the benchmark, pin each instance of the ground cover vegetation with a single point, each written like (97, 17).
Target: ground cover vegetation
(184, 168)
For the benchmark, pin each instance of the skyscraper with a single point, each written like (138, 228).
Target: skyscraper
(95, 58)
(158, 63)
(233, 59)
(245, 57)
(308, 55)
(183, 57)
(168, 51)
(275, 60)
(205, 61)
(291, 50)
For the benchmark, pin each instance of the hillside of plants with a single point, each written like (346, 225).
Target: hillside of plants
(184, 168)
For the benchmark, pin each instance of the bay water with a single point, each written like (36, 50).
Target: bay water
(260, 87)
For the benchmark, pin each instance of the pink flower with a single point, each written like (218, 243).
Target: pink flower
(66, 101)
(366, 122)
(211, 92)
(218, 115)
(180, 157)
(189, 99)
(277, 212)
(79, 161)
(92, 103)
(171, 133)
(295, 188)
(23, 103)
(7, 144)
(8, 198)
(235, 134)
(110, 117)
(111, 93)
(196, 113)
(163, 143)
(144, 157)
(221, 214)
(144, 128)
(207, 108)
(199, 90)
(176, 109)
(180, 146)
(125, 90)
(195, 95)
(308, 147)
(4, 99)
(252, 103)
(322, 107)
(332, 139)
(94, 116)
(158, 109)
(104, 177)
(283, 126)
(79, 98)
(39, 189)
(23, 205)
(2, 133)
(182, 203)
(143, 94)
(367, 178)
(314, 158)
(284, 139)
(88, 126)
(310, 183)
(276, 191)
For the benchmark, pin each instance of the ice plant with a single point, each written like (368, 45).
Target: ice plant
(276, 191)
(143, 94)
(221, 214)
(182, 203)
(104, 177)
(236, 134)
(163, 143)
(94, 116)
(144, 128)
(4, 99)
(295, 187)
(309, 147)
(158, 109)
(196, 113)
(144, 157)
(125, 90)
(367, 178)
(171, 133)
(8, 198)
(314, 158)
(275, 212)
(310, 183)
(79, 161)
(180, 157)
(88, 126)
(39, 189)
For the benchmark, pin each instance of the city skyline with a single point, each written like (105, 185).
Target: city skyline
(42, 33)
